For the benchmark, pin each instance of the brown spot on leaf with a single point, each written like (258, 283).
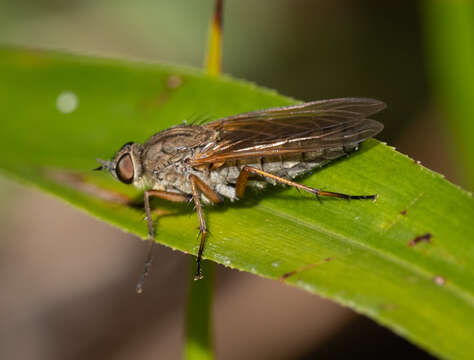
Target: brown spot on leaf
(388, 307)
(162, 212)
(421, 238)
(171, 83)
(174, 81)
(80, 183)
(300, 269)
(294, 272)
(403, 212)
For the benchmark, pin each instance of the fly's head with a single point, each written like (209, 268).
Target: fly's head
(126, 164)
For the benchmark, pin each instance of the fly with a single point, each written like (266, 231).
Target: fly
(207, 163)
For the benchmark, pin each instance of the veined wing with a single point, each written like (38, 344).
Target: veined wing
(307, 127)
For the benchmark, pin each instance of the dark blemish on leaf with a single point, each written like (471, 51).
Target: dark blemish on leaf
(162, 212)
(439, 280)
(79, 182)
(300, 269)
(291, 273)
(174, 81)
(34, 58)
(422, 238)
(404, 211)
(388, 307)
(161, 99)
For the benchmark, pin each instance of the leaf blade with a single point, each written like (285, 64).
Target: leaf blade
(372, 268)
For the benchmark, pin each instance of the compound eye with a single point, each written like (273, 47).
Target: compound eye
(125, 169)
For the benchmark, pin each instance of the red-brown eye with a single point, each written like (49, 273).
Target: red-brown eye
(124, 169)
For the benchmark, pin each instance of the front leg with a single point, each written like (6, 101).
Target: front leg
(151, 232)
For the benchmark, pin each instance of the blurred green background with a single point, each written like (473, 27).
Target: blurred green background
(60, 303)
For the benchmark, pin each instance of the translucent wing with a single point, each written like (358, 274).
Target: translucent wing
(307, 127)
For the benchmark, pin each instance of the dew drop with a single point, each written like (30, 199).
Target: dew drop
(67, 102)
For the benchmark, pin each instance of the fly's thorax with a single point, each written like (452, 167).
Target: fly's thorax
(166, 155)
(174, 145)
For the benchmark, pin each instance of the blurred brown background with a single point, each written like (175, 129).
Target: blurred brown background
(65, 296)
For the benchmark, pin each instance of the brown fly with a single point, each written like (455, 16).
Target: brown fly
(207, 163)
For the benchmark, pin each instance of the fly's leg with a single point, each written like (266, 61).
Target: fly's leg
(151, 232)
(246, 170)
(197, 186)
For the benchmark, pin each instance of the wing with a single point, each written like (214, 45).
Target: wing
(307, 127)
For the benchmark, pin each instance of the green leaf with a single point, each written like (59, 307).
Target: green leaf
(449, 32)
(357, 253)
(199, 317)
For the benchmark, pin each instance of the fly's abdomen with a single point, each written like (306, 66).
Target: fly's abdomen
(292, 166)
(288, 167)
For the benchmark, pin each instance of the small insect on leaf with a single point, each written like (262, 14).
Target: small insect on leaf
(213, 161)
